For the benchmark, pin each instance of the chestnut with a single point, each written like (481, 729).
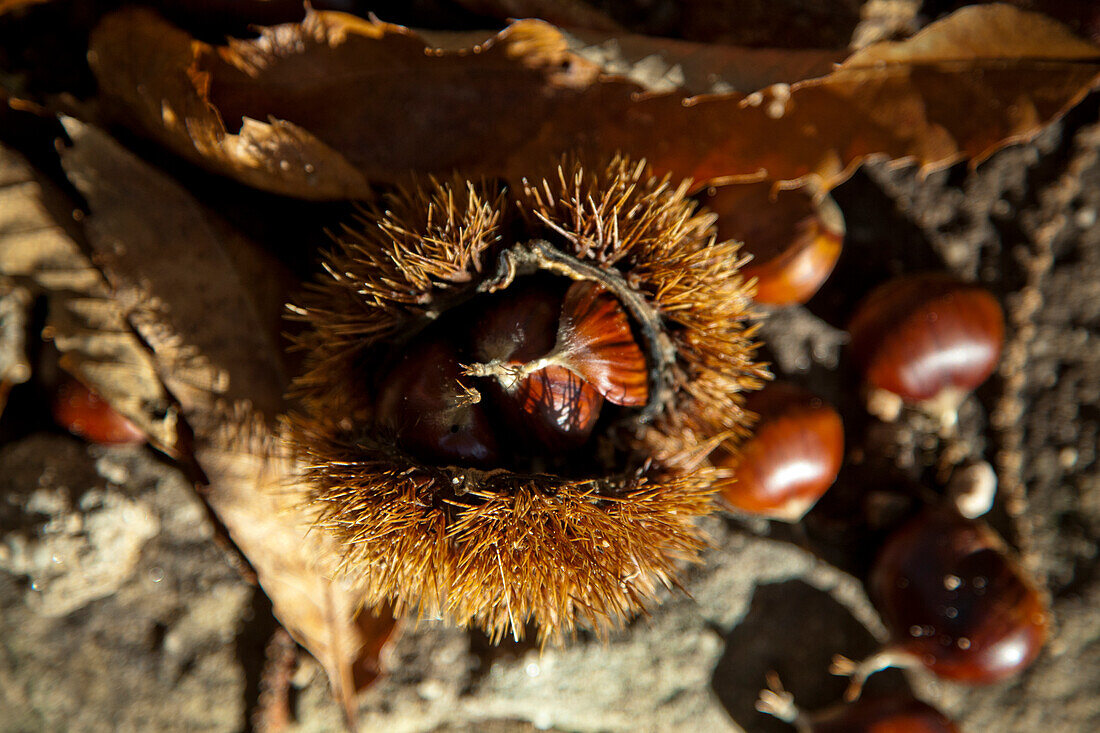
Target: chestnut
(795, 239)
(595, 341)
(891, 713)
(792, 458)
(433, 413)
(954, 601)
(926, 339)
(552, 405)
(551, 370)
(85, 414)
(562, 406)
(520, 324)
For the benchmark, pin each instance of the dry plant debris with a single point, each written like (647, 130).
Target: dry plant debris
(322, 108)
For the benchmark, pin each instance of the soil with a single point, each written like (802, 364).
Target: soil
(121, 609)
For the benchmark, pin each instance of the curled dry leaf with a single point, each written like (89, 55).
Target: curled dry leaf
(165, 88)
(212, 342)
(39, 258)
(342, 106)
(671, 66)
(249, 491)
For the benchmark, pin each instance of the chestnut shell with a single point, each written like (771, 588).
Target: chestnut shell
(421, 401)
(952, 596)
(85, 414)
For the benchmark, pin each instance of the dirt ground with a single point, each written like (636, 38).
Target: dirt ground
(120, 611)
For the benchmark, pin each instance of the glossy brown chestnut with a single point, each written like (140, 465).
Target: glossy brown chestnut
(520, 324)
(954, 600)
(791, 460)
(882, 714)
(888, 713)
(430, 406)
(550, 406)
(795, 241)
(552, 359)
(595, 342)
(927, 338)
(83, 413)
(563, 408)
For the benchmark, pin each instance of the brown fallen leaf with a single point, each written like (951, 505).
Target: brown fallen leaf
(670, 66)
(337, 92)
(166, 93)
(250, 492)
(39, 257)
(213, 346)
(172, 263)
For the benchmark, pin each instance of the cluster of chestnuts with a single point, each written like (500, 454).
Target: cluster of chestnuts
(949, 590)
(516, 402)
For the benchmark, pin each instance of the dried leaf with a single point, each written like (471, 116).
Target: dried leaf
(382, 102)
(171, 262)
(665, 65)
(39, 257)
(158, 74)
(178, 265)
(249, 492)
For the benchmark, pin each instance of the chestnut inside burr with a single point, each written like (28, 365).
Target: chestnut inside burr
(522, 378)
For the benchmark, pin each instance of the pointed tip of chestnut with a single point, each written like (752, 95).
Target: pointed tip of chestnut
(795, 238)
(956, 601)
(87, 415)
(792, 458)
(927, 339)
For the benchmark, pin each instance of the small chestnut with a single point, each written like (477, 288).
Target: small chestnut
(954, 601)
(563, 408)
(595, 341)
(552, 360)
(85, 414)
(432, 412)
(520, 324)
(792, 458)
(889, 713)
(795, 238)
(926, 339)
(552, 405)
